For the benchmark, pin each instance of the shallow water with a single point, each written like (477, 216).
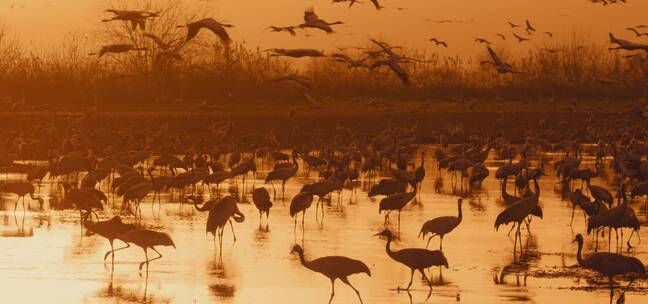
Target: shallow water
(47, 257)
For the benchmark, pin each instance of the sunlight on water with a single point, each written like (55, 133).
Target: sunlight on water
(46, 257)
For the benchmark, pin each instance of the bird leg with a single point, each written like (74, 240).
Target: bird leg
(16, 205)
(232, 225)
(428, 242)
(426, 278)
(572, 217)
(611, 290)
(317, 208)
(441, 243)
(399, 212)
(332, 290)
(147, 260)
(627, 287)
(345, 280)
(113, 250)
(512, 227)
(411, 278)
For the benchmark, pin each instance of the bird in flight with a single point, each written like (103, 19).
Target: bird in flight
(513, 25)
(549, 34)
(159, 42)
(501, 36)
(301, 80)
(627, 45)
(529, 28)
(278, 29)
(636, 32)
(500, 66)
(296, 53)
(211, 24)
(519, 38)
(351, 63)
(482, 40)
(441, 43)
(311, 20)
(136, 18)
(117, 48)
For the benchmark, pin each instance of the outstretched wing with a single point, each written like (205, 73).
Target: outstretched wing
(496, 59)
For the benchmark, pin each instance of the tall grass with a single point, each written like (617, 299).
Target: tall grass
(208, 71)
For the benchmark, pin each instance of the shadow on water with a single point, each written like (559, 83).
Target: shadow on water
(220, 287)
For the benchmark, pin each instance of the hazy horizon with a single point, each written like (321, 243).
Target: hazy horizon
(417, 23)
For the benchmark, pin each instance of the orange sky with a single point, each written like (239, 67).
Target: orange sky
(41, 23)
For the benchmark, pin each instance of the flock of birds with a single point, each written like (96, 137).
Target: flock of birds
(142, 165)
(135, 167)
(383, 54)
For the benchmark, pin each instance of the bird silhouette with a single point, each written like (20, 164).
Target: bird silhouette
(636, 32)
(84, 201)
(211, 24)
(627, 45)
(482, 40)
(519, 38)
(395, 202)
(261, 199)
(117, 49)
(111, 229)
(529, 28)
(519, 211)
(220, 212)
(288, 29)
(415, 258)
(334, 267)
(311, 20)
(395, 67)
(296, 53)
(21, 189)
(300, 203)
(136, 194)
(609, 264)
(301, 80)
(441, 226)
(438, 42)
(283, 174)
(146, 239)
(500, 66)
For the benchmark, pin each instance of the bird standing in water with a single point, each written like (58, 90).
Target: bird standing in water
(609, 264)
(111, 230)
(441, 226)
(146, 239)
(334, 267)
(415, 258)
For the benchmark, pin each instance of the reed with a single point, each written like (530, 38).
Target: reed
(68, 76)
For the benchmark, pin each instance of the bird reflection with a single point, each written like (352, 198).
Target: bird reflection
(19, 231)
(520, 265)
(220, 288)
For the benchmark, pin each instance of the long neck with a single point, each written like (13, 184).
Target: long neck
(150, 173)
(504, 194)
(390, 253)
(201, 209)
(460, 215)
(303, 260)
(579, 254)
(537, 188)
